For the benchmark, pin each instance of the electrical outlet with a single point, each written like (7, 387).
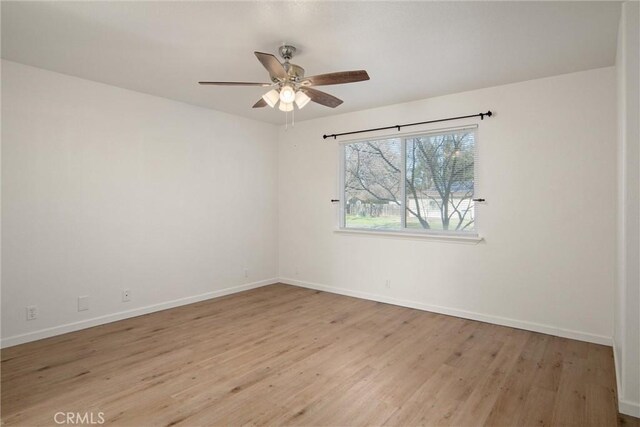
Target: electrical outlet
(246, 272)
(126, 295)
(83, 303)
(32, 312)
(388, 283)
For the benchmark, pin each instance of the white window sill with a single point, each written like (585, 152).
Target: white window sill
(456, 238)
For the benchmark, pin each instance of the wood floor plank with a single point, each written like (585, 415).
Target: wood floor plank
(537, 408)
(510, 404)
(479, 404)
(570, 404)
(283, 355)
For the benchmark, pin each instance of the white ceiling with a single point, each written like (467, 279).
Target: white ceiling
(412, 50)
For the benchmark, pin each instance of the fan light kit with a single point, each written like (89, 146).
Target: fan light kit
(287, 94)
(289, 86)
(271, 98)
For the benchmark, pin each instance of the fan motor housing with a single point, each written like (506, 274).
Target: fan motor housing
(294, 71)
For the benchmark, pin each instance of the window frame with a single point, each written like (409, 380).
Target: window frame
(472, 236)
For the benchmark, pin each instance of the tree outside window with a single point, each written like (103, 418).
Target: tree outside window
(434, 172)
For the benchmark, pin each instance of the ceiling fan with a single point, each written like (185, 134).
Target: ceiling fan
(289, 85)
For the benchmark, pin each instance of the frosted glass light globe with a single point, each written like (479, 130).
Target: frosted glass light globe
(285, 107)
(302, 99)
(271, 98)
(287, 94)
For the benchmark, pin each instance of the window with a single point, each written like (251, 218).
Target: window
(421, 182)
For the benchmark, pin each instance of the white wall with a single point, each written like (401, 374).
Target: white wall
(105, 188)
(627, 303)
(548, 171)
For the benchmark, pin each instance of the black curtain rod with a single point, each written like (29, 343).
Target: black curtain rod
(481, 115)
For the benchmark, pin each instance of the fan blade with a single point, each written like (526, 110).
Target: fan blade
(321, 97)
(235, 84)
(272, 65)
(261, 103)
(336, 78)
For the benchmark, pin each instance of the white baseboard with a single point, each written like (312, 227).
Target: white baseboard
(101, 320)
(503, 321)
(617, 367)
(629, 408)
(75, 326)
(624, 406)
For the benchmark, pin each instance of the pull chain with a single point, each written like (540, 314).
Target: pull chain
(293, 118)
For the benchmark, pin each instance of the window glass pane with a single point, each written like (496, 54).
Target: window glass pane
(440, 182)
(372, 184)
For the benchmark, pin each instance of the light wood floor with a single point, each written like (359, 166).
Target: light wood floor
(286, 355)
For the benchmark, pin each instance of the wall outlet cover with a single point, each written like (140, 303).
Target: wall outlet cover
(83, 303)
(32, 312)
